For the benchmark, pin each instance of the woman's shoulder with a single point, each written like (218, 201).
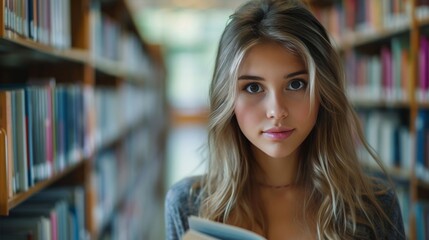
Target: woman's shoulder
(183, 193)
(182, 200)
(387, 197)
(385, 193)
(389, 202)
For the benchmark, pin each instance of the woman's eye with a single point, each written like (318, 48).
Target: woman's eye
(253, 88)
(296, 85)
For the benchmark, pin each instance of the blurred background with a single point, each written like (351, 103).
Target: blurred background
(189, 32)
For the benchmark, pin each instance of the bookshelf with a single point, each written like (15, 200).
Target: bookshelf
(384, 46)
(82, 114)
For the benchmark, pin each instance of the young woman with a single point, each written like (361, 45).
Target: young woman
(282, 138)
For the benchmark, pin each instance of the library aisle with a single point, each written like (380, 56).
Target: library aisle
(82, 122)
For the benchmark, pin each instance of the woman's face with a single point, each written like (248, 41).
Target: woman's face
(273, 104)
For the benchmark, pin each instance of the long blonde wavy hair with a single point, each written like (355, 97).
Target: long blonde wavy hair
(341, 196)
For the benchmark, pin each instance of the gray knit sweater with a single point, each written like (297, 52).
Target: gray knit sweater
(180, 204)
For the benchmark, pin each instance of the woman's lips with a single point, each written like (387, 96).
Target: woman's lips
(277, 133)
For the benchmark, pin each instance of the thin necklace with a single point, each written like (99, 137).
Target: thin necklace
(274, 186)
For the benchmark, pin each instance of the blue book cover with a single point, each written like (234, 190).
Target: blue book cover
(30, 20)
(221, 231)
(421, 209)
(29, 129)
(421, 126)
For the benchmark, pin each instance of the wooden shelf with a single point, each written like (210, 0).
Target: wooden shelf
(381, 104)
(116, 69)
(14, 44)
(423, 105)
(357, 39)
(122, 135)
(423, 184)
(423, 190)
(21, 197)
(423, 22)
(198, 116)
(21, 50)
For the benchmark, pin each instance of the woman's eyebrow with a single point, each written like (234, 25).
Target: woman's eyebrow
(250, 77)
(257, 78)
(296, 73)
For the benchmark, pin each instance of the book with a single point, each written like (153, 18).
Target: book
(194, 235)
(50, 211)
(20, 138)
(36, 226)
(204, 229)
(421, 209)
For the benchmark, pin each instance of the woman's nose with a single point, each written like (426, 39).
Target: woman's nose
(276, 107)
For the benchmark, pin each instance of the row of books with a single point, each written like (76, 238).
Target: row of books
(105, 35)
(134, 56)
(54, 213)
(380, 77)
(109, 40)
(347, 17)
(389, 136)
(117, 173)
(118, 109)
(48, 126)
(422, 94)
(422, 145)
(49, 22)
(421, 209)
(44, 130)
(422, 9)
(44, 21)
(138, 216)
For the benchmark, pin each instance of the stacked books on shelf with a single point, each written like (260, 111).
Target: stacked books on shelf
(45, 130)
(54, 213)
(119, 109)
(422, 85)
(422, 149)
(350, 20)
(389, 135)
(422, 219)
(384, 76)
(116, 173)
(111, 41)
(131, 215)
(44, 21)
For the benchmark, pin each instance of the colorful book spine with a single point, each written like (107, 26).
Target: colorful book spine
(45, 21)
(423, 70)
(422, 154)
(382, 76)
(45, 130)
